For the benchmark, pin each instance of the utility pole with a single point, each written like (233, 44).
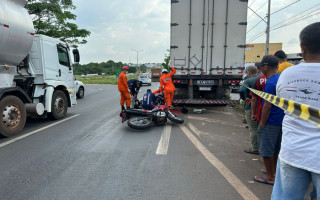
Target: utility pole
(268, 28)
(137, 58)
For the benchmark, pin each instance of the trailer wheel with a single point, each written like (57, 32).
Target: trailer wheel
(12, 116)
(80, 93)
(59, 105)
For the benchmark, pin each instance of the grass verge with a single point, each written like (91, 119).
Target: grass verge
(102, 79)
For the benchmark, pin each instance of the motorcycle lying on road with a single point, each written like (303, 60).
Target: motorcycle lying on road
(140, 119)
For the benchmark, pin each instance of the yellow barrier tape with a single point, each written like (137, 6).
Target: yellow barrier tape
(300, 110)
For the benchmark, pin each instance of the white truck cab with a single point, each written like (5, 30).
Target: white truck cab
(36, 75)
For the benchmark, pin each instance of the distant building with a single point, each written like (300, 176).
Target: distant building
(255, 52)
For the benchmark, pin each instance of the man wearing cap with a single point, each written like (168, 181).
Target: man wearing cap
(283, 64)
(244, 95)
(167, 86)
(299, 162)
(270, 124)
(123, 88)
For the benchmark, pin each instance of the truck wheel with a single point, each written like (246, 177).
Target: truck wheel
(59, 105)
(12, 116)
(80, 93)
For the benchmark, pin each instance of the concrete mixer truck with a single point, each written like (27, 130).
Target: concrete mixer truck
(36, 75)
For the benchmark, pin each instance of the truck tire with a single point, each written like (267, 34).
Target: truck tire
(139, 123)
(59, 105)
(175, 118)
(80, 93)
(12, 116)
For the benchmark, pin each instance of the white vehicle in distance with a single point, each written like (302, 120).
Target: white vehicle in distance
(79, 88)
(145, 79)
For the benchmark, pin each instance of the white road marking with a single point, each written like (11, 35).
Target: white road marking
(231, 178)
(164, 141)
(36, 131)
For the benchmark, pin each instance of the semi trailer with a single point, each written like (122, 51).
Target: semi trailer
(207, 49)
(36, 74)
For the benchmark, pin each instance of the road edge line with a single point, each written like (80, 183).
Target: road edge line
(224, 171)
(36, 131)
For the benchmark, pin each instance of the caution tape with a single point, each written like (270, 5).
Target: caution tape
(300, 110)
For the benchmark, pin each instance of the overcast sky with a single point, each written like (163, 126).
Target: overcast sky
(117, 26)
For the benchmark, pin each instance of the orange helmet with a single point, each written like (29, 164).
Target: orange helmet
(125, 68)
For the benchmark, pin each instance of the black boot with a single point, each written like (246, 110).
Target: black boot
(122, 108)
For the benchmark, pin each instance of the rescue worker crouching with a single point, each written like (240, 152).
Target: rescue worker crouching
(149, 100)
(167, 86)
(124, 89)
(134, 87)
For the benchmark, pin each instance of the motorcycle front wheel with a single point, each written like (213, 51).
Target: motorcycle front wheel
(139, 123)
(175, 118)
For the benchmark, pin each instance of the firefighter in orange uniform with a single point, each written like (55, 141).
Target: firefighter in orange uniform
(167, 86)
(124, 89)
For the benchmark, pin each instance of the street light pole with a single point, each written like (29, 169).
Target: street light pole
(268, 28)
(137, 58)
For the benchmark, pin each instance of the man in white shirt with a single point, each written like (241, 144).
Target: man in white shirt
(299, 159)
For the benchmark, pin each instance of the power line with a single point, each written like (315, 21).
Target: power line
(293, 22)
(258, 9)
(257, 14)
(296, 16)
(252, 2)
(297, 20)
(271, 13)
(288, 21)
(285, 7)
(254, 26)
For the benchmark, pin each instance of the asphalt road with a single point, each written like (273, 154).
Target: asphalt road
(91, 155)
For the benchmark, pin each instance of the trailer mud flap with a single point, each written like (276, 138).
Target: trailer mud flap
(204, 102)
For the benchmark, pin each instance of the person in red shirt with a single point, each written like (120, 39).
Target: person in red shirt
(124, 89)
(167, 86)
(256, 101)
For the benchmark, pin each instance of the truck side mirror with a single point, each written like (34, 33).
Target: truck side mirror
(76, 55)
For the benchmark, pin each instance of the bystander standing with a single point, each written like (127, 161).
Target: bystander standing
(283, 64)
(270, 124)
(245, 95)
(299, 162)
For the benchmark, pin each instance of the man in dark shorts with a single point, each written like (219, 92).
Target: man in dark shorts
(270, 123)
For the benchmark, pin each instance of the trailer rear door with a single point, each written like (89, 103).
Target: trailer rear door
(208, 36)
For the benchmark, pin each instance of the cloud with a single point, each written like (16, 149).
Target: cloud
(287, 33)
(118, 26)
(122, 25)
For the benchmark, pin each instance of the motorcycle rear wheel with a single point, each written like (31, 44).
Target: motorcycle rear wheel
(139, 123)
(175, 118)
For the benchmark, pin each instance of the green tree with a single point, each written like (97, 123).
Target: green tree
(53, 18)
(165, 64)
